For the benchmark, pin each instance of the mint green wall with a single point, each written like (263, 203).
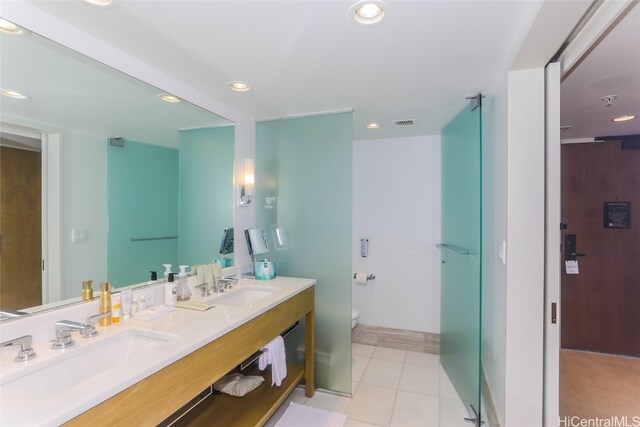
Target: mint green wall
(206, 192)
(142, 197)
(306, 163)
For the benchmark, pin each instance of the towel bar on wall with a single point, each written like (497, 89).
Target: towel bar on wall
(144, 239)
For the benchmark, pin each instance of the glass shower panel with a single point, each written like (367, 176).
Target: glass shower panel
(461, 255)
(303, 202)
(142, 194)
(206, 192)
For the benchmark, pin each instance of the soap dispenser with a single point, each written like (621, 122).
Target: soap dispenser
(167, 270)
(183, 292)
(170, 291)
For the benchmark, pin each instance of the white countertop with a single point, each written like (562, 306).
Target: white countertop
(189, 330)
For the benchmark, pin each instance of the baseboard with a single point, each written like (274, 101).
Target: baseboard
(491, 410)
(400, 339)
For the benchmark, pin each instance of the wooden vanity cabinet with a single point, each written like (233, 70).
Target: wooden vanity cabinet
(153, 399)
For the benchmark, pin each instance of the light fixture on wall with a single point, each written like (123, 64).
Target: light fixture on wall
(247, 183)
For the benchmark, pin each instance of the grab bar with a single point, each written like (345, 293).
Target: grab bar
(143, 239)
(453, 248)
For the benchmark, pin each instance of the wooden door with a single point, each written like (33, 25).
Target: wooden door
(601, 304)
(20, 229)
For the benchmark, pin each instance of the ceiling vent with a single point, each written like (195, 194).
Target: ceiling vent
(404, 123)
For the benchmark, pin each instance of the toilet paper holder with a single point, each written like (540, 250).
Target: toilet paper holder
(369, 276)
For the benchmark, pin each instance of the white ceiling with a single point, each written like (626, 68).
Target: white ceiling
(612, 68)
(305, 57)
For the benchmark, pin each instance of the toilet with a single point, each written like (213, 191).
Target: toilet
(355, 315)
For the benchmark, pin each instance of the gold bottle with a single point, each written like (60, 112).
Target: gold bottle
(105, 303)
(87, 290)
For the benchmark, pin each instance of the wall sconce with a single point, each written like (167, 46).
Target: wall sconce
(247, 184)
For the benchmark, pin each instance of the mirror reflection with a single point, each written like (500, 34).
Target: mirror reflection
(103, 177)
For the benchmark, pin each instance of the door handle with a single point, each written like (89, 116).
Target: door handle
(576, 254)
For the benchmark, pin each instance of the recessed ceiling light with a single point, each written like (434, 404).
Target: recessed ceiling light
(169, 98)
(9, 27)
(368, 13)
(373, 125)
(13, 94)
(624, 118)
(104, 4)
(238, 86)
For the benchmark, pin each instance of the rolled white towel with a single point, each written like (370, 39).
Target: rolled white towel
(274, 354)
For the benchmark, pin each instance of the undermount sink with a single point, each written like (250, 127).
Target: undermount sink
(83, 363)
(245, 296)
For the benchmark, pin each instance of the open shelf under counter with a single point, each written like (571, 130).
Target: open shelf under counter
(253, 409)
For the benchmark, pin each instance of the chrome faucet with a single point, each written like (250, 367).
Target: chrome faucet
(11, 314)
(91, 321)
(63, 332)
(26, 352)
(227, 282)
(204, 289)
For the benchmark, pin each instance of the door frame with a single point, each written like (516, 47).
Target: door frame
(594, 29)
(51, 206)
(552, 270)
(52, 217)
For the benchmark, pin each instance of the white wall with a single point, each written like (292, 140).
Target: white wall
(84, 195)
(526, 229)
(513, 294)
(494, 232)
(396, 204)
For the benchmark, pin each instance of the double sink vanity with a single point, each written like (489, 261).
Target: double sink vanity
(140, 372)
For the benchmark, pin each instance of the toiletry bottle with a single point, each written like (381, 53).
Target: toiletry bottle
(135, 306)
(154, 276)
(105, 303)
(125, 297)
(167, 270)
(183, 293)
(115, 307)
(217, 268)
(170, 291)
(87, 290)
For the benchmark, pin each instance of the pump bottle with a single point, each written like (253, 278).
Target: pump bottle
(183, 284)
(170, 291)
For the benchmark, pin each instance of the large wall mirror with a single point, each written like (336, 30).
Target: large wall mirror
(103, 177)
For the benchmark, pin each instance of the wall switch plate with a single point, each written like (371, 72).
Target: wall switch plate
(79, 235)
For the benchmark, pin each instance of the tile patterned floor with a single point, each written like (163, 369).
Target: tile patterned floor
(391, 388)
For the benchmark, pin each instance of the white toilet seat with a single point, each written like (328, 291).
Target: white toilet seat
(355, 315)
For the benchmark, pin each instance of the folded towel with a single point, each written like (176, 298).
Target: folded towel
(237, 384)
(273, 354)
